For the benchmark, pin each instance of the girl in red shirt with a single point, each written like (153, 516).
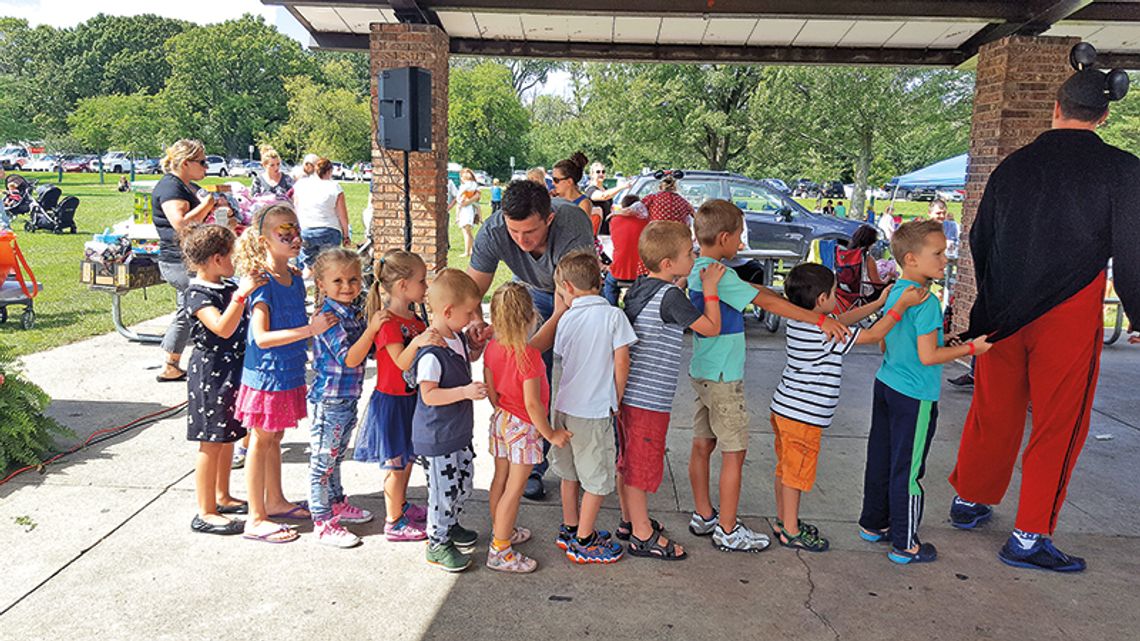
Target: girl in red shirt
(386, 437)
(520, 392)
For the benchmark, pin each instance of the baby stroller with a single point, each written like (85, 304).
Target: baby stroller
(51, 212)
(852, 288)
(18, 285)
(18, 195)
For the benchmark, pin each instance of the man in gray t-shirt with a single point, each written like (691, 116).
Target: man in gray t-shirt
(530, 237)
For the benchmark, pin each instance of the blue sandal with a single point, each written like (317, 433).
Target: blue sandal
(926, 553)
(875, 536)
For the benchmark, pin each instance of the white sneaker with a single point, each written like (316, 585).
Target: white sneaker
(510, 561)
(740, 539)
(350, 514)
(331, 532)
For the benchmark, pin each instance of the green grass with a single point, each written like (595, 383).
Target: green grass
(906, 208)
(67, 311)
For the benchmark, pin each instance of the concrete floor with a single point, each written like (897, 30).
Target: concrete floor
(102, 547)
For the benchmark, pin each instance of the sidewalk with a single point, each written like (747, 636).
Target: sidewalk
(103, 547)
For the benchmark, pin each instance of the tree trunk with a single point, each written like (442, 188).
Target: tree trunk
(862, 170)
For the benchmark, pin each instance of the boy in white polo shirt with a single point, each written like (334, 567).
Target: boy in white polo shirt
(593, 340)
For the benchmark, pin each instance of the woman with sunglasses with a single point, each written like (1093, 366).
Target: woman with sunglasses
(567, 174)
(596, 191)
(176, 207)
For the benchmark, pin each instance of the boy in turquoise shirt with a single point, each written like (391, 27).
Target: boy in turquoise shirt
(717, 373)
(905, 406)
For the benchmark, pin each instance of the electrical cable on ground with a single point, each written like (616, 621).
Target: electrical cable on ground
(102, 435)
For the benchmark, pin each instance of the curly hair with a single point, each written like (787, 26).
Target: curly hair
(328, 258)
(202, 242)
(251, 255)
(513, 317)
(394, 266)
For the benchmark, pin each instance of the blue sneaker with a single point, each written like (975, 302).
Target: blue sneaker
(926, 553)
(1042, 556)
(966, 515)
(875, 536)
(566, 535)
(597, 550)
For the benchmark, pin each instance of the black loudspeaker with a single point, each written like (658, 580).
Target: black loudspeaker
(404, 121)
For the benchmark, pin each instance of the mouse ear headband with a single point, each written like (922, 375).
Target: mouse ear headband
(1098, 90)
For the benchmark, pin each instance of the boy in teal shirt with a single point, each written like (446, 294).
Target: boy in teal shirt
(905, 406)
(717, 373)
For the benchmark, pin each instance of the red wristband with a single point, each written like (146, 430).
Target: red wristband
(972, 348)
(822, 318)
(239, 299)
(895, 315)
(712, 299)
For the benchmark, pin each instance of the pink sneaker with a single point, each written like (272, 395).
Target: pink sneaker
(403, 530)
(416, 513)
(331, 532)
(349, 513)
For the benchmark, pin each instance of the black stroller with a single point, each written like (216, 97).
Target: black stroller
(45, 207)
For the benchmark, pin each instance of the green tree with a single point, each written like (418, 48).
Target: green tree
(486, 122)
(344, 70)
(132, 123)
(227, 81)
(331, 122)
(834, 122)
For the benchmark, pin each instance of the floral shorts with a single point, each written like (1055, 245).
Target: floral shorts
(515, 439)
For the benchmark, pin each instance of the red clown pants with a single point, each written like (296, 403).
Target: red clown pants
(1053, 363)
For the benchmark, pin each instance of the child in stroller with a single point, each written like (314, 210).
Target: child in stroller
(43, 206)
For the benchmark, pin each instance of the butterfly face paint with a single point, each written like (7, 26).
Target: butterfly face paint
(287, 233)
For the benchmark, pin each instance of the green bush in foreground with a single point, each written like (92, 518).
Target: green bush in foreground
(26, 433)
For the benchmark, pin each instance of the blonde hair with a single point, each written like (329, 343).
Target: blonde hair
(513, 317)
(467, 171)
(452, 287)
(269, 153)
(715, 217)
(394, 266)
(662, 239)
(328, 258)
(536, 174)
(181, 151)
(581, 268)
(910, 237)
(250, 255)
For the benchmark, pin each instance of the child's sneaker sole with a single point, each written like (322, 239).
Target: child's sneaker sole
(447, 569)
(588, 561)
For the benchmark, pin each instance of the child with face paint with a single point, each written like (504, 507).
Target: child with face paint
(272, 394)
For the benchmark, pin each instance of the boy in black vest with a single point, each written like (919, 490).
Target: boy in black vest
(444, 418)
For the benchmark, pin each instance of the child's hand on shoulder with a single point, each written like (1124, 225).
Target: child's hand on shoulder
(835, 331)
(378, 319)
(321, 322)
(883, 296)
(475, 391)
(981, 345)
(430, 336)
(250, 283)
(560, 438)
(710, 276)
(912, 296)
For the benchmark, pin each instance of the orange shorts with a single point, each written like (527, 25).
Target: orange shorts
(797, 451)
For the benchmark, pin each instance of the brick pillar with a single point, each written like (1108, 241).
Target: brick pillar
(1014, 92)
(426, 46)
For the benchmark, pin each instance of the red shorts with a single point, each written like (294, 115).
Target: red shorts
(641, 454)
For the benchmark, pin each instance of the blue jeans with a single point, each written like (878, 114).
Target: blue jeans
(611, 289)
(314, 240)
(329, 438)
(544, 304)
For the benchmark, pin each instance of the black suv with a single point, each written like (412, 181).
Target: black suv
(776, 223)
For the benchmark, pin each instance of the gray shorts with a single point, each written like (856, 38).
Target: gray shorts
(591, 456)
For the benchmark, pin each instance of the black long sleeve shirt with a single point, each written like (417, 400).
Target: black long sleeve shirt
(1052, 214)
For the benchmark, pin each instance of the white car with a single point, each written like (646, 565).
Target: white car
(43, 164)
(518, 174)
(216, 166)
(366, 171)
(483, 178)
(116, 162)
(951, 195)
(14, 157)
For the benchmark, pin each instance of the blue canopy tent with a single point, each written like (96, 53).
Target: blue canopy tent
(945, 174)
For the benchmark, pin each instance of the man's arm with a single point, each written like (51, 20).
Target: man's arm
(482, 279)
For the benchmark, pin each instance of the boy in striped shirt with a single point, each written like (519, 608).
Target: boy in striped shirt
(808, 393)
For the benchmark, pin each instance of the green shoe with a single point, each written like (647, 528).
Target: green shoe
(461, 536)
(805, 540)
(447, 557)
(803, 527)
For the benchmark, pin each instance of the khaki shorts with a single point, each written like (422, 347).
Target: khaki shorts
(591, 456)
(721, 414)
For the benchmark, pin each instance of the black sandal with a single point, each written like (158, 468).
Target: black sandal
(805, 540)
(625, 529)
(172, 379)
(236, 508)
(654, 550)
(233, 527)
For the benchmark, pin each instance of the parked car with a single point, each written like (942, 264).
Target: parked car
(116, 162)
(216, 166)
(148, 166)
(244, 168)
(518, 174)
(338, 171)
(777, 184)
(951, 195)
(805, 188)
(46, 163)
(922, 193)
(832, 189)
(14, 157)
(75, 163)
(366, 171)
(483, 178)
(775, 221)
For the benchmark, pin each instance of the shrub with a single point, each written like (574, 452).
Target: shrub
(26, 433)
